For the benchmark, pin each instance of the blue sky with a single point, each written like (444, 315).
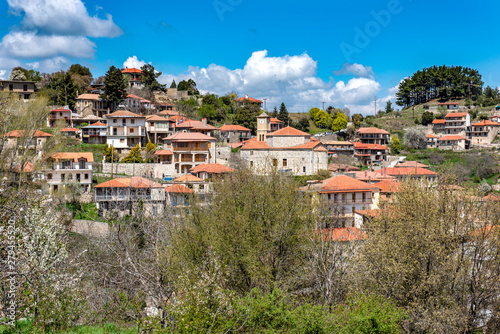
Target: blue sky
(303, 53)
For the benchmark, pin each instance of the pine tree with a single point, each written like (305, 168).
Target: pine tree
(149, 78)
(66, 92)
(275, 112)
(114, 90)
(150, 151)
(134, 156)
(111, 153)
(173, 85)
(283, 114)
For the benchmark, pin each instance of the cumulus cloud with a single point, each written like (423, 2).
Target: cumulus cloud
(355, 69)
(289, 79)
(133, 62)
(62, 17)
(52, 30)
(2, 74)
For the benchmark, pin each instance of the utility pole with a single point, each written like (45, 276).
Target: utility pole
(323, 105)
(112, 158)
(375, 106)
(265, 105)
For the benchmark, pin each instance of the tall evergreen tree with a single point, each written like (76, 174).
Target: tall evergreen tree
(149, 78)
(114, 90)
(274, 113)
(66, 92)
(173, 85)
(283, 114)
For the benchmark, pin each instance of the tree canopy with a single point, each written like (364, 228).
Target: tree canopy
(114, 90)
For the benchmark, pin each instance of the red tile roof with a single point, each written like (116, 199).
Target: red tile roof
(178, 188)
(69, 130)
(394, 171)
(249, 99)
(370, 176)
(131, 70)
(343, 183)
(255, 145)
(226, 128)
(124, 113)
(61, 109)
(360, 146)
(456, 114)
(132, 182)
(96, 124)
(195, 125)
(431, 136)
(486, 123)
(275, 120)
(152, 118)
(342, 234)
(189, 136)
(88, 97)
(439, 121)
(188, 178)
(452, 137)
(19, 133)
(212, 169)
(411, 164)
(74, 156)
(163, 152)
(388, 186)
(372, 130)
(288, 131)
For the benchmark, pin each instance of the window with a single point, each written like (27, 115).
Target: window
(86, 176)
(62, 177)
(131, 130)
(284, 162)
(49, 176)
(364, 197)
(26, 96)
(25, 88)
(115, 120)
(251, 163)
(343, 223)
(70, 176)
(343, 197)
(11, 87)
(335, 197)
(66, 164)
(251, 152)
(81, 164)
(275, 162)
(353, 209)
(354, 197)
(304, 169)
(122, 141)
(115, 132)
(132, 121)
(202, 186)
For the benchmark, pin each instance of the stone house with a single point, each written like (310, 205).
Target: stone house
(211, 172)
(95, 133)
(235, 133)
(373, 136)
(453, 142)
(370, 153)
(23, 88)
(431, 140)
(456, 123)
(90, 104)
(62, 116)
(157, 128)
(34, 140)
(134, 77)
(483, 132)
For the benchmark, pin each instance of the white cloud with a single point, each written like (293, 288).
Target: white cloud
(50, 31)
(289, 79)
(63, 17)
(355, 69)
(2, 74)
(133, 62)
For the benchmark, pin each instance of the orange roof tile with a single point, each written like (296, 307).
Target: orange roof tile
(486, 123)
(178, 188)
(61, 109)
(372, 130)
(163, 152)
(249, 99)
(343, 183)
(411, 164)
(124, 113)
(255, 145)
(388, 186)
(456, 114)
(439, 121)
(431, 136)
(225, 128)
(195, 125)
(189, 136)
(88, 97)
(72, 156)
(131, 182)
(69, 130)
(342, 234)
(360, 146)
(188, 178)
(131, 70)
(405, 171)
(19, 133)
(212, 169)
(275, 120)
(452, 137)
(96, 124)
(370, 176)
(288, 131)
(152, 118)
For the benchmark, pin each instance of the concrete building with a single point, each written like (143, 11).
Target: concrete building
(23, 88)
(69, 167)
(187, 125)
(122, 196)
(276, 124)
(456, 123)
(235, 133)
(61, 116)
(190, 149)
(95, 133)
(158, 127)
(369, 154)
(138, 104)
(401, 173)
(178, 195)
(482, 133)
(248, 100)
(453, 142)
(125, 129)
(438, 126)
(373, 136)
(90, 104)
(449, 105)
(134, 77)
(289, 150)
(335, 147)
(343, 196)
(431, 140)
(211, 171)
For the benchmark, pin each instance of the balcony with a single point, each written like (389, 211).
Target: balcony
(73, 166)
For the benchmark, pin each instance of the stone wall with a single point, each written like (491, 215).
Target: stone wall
(148, 170)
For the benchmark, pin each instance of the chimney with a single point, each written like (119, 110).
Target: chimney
(204, 121)
(246, 96)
